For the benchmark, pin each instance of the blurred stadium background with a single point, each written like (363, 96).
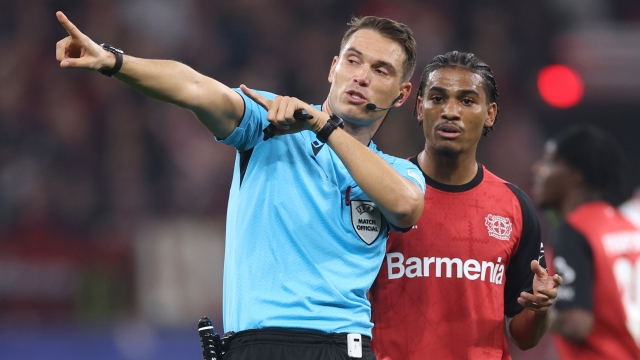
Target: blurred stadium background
(112, 205)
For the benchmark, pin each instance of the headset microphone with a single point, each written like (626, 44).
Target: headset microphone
(374, 107)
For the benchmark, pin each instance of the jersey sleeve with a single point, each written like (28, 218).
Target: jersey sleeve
(573, 260)
(410, 172)
(249, 133)
(519, 275)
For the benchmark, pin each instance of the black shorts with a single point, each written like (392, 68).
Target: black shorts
(291, 344)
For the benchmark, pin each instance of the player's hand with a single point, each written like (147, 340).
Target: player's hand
(78, 51)
(280, 112)
(545, 290)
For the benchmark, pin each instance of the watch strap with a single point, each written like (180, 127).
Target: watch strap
(119, 59)
(333, 123)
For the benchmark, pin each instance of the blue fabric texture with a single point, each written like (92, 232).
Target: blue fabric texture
(303, 243)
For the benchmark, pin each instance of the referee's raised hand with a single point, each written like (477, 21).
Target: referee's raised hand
(78, 51)
(280, 113)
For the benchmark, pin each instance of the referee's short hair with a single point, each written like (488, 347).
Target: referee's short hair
(598, 157)
(393, 30)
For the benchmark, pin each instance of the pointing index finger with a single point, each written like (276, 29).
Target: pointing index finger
(68, 25)
(261, 100)
(537, 269)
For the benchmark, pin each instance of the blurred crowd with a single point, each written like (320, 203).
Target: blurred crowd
(87, 163)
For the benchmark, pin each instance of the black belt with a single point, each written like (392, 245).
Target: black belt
(288, 336)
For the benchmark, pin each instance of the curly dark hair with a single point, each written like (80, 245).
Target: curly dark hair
(600, 159)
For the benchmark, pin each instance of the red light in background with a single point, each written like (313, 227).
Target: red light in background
(560, 86)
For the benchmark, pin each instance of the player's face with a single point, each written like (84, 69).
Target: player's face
(551, 179)
(368, 70)
(454, 111)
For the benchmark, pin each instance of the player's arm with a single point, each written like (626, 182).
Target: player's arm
(529, 291)
(529, 326)
(400, 200)
(217, 106)
(572, 317)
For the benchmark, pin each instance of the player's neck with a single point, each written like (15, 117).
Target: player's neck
(457, 170)
(576, 197)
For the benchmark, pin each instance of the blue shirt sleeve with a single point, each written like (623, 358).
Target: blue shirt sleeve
(410, 172)
(248, 134)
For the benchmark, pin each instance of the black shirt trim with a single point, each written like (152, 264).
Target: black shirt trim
(519, 275)
(573, 260)
(451, 188)
(245, 156)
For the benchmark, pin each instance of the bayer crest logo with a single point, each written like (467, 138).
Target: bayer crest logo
(499, 227)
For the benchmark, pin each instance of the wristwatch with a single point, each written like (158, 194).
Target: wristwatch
(333, 123)
(119, 57)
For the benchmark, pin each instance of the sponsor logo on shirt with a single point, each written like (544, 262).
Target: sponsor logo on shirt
(499, 227)
(439, 267)
(566, 291)
(316, 146)
(366, 219)
(621, 243)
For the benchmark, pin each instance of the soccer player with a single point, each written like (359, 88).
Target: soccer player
(474, 259)
(595, 249)
(310, 209)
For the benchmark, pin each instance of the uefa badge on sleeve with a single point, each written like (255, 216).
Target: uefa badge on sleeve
(366, 219)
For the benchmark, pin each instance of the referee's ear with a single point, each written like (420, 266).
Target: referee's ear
(405, 91)
(332, 71)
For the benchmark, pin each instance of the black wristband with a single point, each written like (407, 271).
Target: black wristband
(119, 58)
(333, 123)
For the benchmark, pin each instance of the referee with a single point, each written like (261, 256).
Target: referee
(310, 209)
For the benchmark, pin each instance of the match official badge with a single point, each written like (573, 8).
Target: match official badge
(366, 219)
(499, 227)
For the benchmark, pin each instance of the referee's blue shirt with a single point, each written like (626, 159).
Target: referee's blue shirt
(303, 243)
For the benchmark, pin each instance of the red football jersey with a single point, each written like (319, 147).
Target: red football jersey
(615, 294)
(445, 286)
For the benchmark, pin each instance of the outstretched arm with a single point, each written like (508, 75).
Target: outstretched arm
(400, 200)
(217, 106)
(529, 326)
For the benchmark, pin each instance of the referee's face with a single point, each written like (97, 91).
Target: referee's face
(368, 70)
(454, 111)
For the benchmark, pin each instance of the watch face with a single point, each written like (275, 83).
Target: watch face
(111, 48)
(337, 120)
